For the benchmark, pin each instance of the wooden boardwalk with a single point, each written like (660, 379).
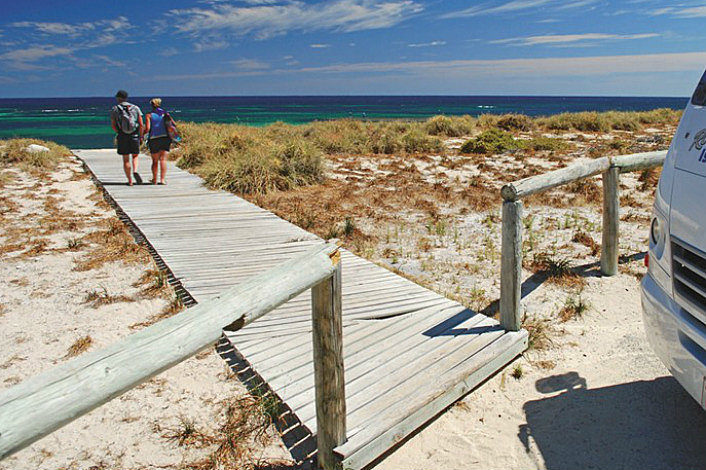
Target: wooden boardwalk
(408, 352)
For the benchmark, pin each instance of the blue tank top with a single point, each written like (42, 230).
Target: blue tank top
(157, 128)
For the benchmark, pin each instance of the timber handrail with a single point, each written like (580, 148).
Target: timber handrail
(512, 193)
(44, 403)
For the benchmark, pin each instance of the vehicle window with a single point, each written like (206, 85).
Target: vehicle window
(699, 98)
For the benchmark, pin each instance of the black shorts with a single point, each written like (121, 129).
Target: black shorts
(128, 144)
(159, 144)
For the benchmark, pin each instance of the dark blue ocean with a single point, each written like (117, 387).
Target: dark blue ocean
(84, 123)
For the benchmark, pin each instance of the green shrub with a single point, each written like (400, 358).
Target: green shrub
(491, 141)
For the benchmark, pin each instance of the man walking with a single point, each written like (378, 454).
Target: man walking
(126, 119)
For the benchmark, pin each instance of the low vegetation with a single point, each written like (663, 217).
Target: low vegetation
(18, 152)
(250, 160)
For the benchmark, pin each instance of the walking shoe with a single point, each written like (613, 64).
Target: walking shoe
(138, 178)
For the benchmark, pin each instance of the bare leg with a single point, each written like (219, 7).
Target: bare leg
(155, 166)
(127, 169)
(134, 162)
(163, 165)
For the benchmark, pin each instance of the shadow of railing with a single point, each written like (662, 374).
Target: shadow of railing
(650, 424)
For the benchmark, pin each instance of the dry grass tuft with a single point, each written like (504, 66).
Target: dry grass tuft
(587, 241)
(36, 248)
(110, 244)
(14, 152)
(245, 422)
(450, 126)
(557, 270)
(153, 284)
(187, 434)
(585, 190)
(80, 346)
(538, 329)
(7, 177)
(97, 298)
(517, 372)
(175, 306)
(573, 307)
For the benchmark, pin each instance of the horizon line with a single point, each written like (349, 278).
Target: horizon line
(346, 96)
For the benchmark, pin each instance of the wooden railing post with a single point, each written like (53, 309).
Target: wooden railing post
(611, 220)
(328, 369)
(511, 266)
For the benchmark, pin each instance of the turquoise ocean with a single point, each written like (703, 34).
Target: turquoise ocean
(84, 122)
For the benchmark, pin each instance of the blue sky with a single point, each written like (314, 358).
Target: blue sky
(284, 47)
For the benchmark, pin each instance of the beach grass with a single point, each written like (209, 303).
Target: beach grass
(259, 160)
(15, 152)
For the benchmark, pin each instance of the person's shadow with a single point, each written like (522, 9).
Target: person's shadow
(651, 424)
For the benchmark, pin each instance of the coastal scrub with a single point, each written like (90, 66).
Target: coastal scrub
(18, 152)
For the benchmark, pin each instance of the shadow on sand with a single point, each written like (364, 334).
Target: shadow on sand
(651, 424)
(533, 282)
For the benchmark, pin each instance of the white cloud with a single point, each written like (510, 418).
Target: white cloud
(76, 29)
(515, 6)
(531, 68)
(35, 42)
(319, 46)
(691, 12)
(428, 44)
(35, 53)
(169, 52)
(553, 39)
(209, 46)
(502, 69)
(265, 20)
(250, 64)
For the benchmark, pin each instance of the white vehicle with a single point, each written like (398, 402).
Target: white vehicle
(674, 290)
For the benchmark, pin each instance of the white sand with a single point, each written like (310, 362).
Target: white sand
(596, 398)
(44, 311)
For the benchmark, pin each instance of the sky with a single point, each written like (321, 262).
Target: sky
(69, 48)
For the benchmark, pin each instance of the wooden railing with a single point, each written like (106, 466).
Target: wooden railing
(511, 252)
(44, 403)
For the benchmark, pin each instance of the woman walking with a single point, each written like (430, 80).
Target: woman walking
(159, 140)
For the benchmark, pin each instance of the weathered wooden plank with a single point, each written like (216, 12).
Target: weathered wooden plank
(328, 369)
(372, 381)
(639, 161)
(395, 340)
(552, 179)
(40, 405)
(358, 453)
(361, 334)
(511, 266)
(611, 222)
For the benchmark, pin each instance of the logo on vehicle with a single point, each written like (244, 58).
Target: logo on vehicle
(699, 140)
